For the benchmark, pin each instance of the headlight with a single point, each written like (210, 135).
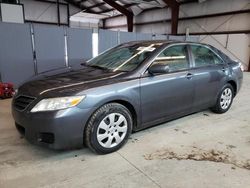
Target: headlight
(16, 91)
(57, 103)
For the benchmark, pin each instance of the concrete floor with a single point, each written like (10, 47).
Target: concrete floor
(200, 150)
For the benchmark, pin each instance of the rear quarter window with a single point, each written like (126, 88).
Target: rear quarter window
(203, 56)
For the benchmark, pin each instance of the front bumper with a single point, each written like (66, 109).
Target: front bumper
(62, 129)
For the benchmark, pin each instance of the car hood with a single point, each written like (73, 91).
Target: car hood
(69, 81)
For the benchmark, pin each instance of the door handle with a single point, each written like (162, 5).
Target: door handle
(223, 69)
(189, 76)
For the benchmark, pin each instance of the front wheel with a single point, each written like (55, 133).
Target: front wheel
(108, 128)
(224, 100)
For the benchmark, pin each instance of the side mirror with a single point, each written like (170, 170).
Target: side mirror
(83, 63)
(158, 68)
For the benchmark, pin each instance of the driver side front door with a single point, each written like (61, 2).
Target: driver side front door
(169, 95)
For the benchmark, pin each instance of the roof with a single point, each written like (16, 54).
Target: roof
(162, 41)
(134, 6)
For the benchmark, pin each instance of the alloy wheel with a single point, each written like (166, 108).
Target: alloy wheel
(226, 98)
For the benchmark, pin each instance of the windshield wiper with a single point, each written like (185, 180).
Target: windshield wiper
(102, 68)
(99, 67)
(95, 66)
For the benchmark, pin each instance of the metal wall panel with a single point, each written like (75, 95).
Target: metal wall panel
(16, 58)
(177, 38)
(126, 37)
(143, 36)
(79, 45)
(193, 38)
(184, 38)
(107, 39)
(50, 47)
(160, 37)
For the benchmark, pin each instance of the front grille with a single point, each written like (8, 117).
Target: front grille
(22, 102)
(48, 138)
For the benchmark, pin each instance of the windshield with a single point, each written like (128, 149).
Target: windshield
(126, 57)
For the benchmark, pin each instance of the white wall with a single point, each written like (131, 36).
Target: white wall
(11, 13)
(221, 23)
(46, 12)
(86, 20)
(84, 23)
(234, 45)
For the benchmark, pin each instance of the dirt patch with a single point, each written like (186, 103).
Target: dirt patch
(6, 152)
(231, 146)
(197, 154)
(133, 140)
(8, 163)
(184, 132)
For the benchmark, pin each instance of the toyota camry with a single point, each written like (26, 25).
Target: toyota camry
(125, 89)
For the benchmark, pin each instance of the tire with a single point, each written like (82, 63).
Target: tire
(225, 99)
(101, 135)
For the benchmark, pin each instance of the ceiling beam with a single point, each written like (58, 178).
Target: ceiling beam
(171, 3)
(101, 4)
(118, 7)
(175, 6)
(189, 1)
(112, 9)
(205, 16)
(96, 6)
(151, 9)
(124, 11)
(73, 3)
(80, 6)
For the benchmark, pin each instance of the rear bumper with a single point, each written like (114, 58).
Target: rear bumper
(58, 130)
(239, 84)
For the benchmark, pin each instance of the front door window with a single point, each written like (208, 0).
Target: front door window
(176, 57)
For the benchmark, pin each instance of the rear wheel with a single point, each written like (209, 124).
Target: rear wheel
(109, 128)
(224, 100)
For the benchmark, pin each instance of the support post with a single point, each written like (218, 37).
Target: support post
(175, 6)
(68, 15)
(124, 11)
(58, 12)
(130, 22)
(174, 20)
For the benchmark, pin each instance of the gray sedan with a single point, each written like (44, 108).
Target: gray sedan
(127, 88)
